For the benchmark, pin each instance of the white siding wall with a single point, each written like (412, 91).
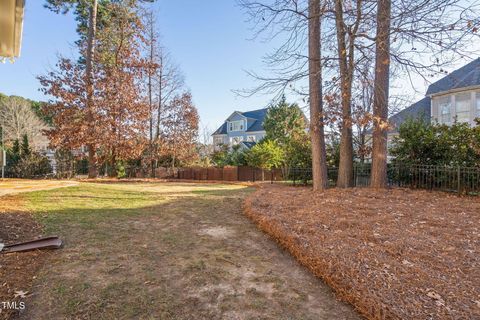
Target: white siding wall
(456, 101)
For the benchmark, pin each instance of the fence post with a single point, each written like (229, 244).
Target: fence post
(271, 176)
(355, 175)
(398, 176)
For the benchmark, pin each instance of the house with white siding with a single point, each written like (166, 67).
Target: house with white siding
(455, 97)
(241, 128)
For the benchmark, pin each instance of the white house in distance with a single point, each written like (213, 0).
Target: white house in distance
(455, 97)
(241, 128)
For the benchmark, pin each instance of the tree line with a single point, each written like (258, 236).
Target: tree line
(123, 100)
(342, 57)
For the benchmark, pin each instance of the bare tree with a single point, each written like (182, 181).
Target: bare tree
(362, 114)
(205, 146)
(169, 82)
(347, 24)
(426, 36)
(163, 81)
(294, 62)
(181, 129)
(429, 36)
(151, 39)
(287, 66)
(18, 119)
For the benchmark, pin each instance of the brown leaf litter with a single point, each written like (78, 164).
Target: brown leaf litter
(393, 254)
(17, 270)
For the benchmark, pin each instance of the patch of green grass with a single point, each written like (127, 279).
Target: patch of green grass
(99, 209)
(89, 199)
(71, 294)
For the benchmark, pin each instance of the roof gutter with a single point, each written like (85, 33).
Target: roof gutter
(443, 93)
(11, 27)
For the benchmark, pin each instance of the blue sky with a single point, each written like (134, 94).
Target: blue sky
(209, 40)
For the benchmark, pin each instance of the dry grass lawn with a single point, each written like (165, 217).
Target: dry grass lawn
(166, 251)
(14, 186)
(395, 254)
(17, 271)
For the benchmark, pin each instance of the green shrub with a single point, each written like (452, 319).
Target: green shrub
(225, 156)
(121, 172)
(266, 155)
(421, 142)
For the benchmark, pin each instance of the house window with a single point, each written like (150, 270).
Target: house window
(236, 140)
(218, 140)
(236, 125)
(478, 104)
(445, 110)
(251, 138)
(462, 107)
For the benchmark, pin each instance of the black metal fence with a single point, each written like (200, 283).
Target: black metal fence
(80, 168)
(465, 180)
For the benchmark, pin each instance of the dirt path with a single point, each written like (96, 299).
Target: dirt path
(14, 186)
(169, 251)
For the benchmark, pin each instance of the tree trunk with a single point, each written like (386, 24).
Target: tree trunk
(345, 169)
(380, 103)
(362, 145)
(319, 163)
(150, 94)
(113, 164)
(160, 97)
(159, 111)
(92, 168)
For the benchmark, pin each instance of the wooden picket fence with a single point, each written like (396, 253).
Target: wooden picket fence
(231, 173)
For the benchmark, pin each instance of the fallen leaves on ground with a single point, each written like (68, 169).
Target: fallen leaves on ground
(393, 254)
(17, 270)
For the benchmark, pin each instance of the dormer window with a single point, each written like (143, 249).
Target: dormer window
(236, 125)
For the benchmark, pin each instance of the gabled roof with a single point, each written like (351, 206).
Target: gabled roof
(259, 115)
(466, 76)
(234, 113)
(256, 114)
(420, 109)
(257, 125)
(221, 130)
